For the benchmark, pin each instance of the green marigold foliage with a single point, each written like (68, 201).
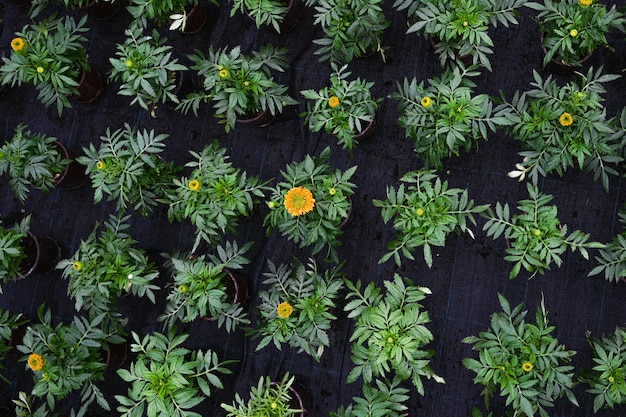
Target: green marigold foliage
(385, 400)
(267, 398)
(12, 250)
(522, 362)
(607, 379)
(264, 12)
(424, 209)
(445, 117)
(536, 236)
(612, 258)
(390, 332)
(311, 293)
(167, 378)
(565, 126)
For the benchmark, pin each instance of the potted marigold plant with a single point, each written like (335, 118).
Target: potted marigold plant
(563, 126)
(312, 203)
(146, 69)
(168, 378)
(390, 332)
(385, 400)
(107, 265)
(536, 238)
(297, 306)
(51, 55)
(208, 287)
(446, 117)
(215, 196)
(280, 15)
(573, 29)
(346, 109)
(240, 86)
(459, 29)
(37, 160)
(269, 398)
(607, 378)
(66, 358)
(522, 361)
(128, 169)
(424, 209)
(352, 29)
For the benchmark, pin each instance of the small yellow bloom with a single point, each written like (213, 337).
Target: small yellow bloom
(566, 119)
(224, 73)
(426, 101)
(182, 289)
(17, 44)
(298, 201)
(537, 232)
(77, 265)
(246, 83)
(573, 33)
(611, 379)
(128, 63)
(271, 204)
(465, 23)
(40, 70)
(390, 339)
(585, 3)
(419, 211)
(332, 191)
(273, 405)
(527, 366)
(284, 310)
(100, 165)
(194, 185)
(333, 101)
(35, 361)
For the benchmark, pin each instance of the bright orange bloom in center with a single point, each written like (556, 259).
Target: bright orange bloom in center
(298, 201)
(35, 361)
(333, 101)
(566, 119)
(17, 44)
(284, 310)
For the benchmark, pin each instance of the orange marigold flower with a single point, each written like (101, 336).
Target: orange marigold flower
(17, 44)
(284, 310)
(333, 101)
(566, 119)
(35, 361)
(298, 201)
(585, 3)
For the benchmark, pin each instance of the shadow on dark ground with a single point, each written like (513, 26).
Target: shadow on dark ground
(466, 276)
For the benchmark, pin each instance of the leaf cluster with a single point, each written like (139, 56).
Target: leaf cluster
(356, 109)
(591, 23)
(146, 69)
(31, 159)
(352, 29)
(52, 59)
(9, 323)
(390, 332)
(107, 265)
(424, 210)
(239, 85)
(460, 28)
(12, 250)
(224, 196)
(332, 191)
(168, 378)
(128, 169)
(535, 235)
(521, 361)
(591, 142)
(607, 379)
(267, 399)
(311, 293)
(73, 357)
(384, 400)
(158, 11)
(445, 117)
(200, 287)
(263, 12)
(612, 257)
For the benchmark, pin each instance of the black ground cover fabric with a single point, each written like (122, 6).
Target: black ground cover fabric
(466, 275)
